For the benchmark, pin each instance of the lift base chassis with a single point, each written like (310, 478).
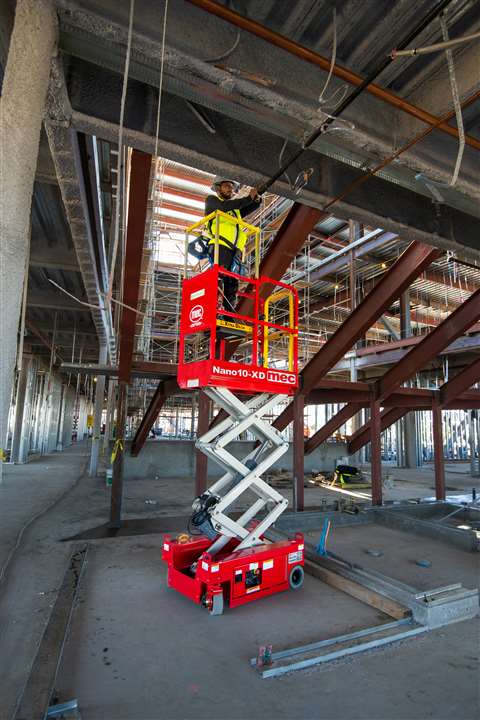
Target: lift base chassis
(234, 576)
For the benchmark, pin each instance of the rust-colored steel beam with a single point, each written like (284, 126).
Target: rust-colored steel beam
(449, 330)
(451, 390)
(416, 258)
(332, 425)
(439, 462)
(183, 194)
(376, 452)
(178, 207)
(116, 494)
(455, 282)
(298, 452)
(163, 391)
(362, 436)
(179, 175)
(288, 242)
(137, 215)
(322, 62)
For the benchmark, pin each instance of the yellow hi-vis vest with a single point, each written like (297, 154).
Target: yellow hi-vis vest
(229, 233)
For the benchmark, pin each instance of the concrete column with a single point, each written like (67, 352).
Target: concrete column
(410, 439)
(28, 412)
(22, 105)
(97, 414)
(20, 405)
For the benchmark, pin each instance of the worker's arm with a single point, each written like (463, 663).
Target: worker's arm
(245, 204)
(251, 206)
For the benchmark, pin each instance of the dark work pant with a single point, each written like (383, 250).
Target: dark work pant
(230, 284)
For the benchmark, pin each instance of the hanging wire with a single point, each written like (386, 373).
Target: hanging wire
(456, 102)
(120, 153)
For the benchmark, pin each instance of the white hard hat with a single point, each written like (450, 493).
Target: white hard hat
(219, 179)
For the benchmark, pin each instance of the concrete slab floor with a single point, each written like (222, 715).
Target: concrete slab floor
(188, 663)
(28, 490)
(400, 553)
(139, 651)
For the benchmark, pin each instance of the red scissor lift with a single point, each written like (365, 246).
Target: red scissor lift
(229, 559)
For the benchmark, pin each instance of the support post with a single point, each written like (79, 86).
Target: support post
(405, 315)
(61, 417)
(192, 423)
(376, 452)
(119, 445)
(471, 443)
(24, 91)
(410, 435)
(298, 452)
(110, 411)
(97, 414)
(20, 404)
(438, 450)
(201, 460)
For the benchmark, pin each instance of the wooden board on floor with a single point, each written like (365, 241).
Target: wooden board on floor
(360, 592)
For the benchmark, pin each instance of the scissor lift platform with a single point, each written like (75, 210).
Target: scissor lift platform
(230, 559)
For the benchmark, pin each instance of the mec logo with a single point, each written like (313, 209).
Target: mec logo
(196, 315)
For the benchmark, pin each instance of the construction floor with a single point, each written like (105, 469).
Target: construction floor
(138, 651)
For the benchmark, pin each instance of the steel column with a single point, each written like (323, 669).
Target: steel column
(298, 452)
(117, 475)
(376, 452)
(140, 165)
(201, 460)
(438, 451)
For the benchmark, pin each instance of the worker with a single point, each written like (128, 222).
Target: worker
(231, 240)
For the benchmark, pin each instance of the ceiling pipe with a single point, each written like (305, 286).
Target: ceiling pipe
(348, 76)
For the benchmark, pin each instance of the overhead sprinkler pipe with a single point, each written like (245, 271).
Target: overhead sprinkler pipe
(434, 48)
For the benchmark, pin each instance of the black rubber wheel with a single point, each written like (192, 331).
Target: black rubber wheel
(217, 605)
(295, 578)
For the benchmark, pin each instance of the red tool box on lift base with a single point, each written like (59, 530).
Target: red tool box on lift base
(233, 576)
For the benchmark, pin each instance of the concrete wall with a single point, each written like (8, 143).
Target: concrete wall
(176, 458)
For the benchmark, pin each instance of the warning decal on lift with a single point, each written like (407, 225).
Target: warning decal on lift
(268, 564)
(295, 557)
